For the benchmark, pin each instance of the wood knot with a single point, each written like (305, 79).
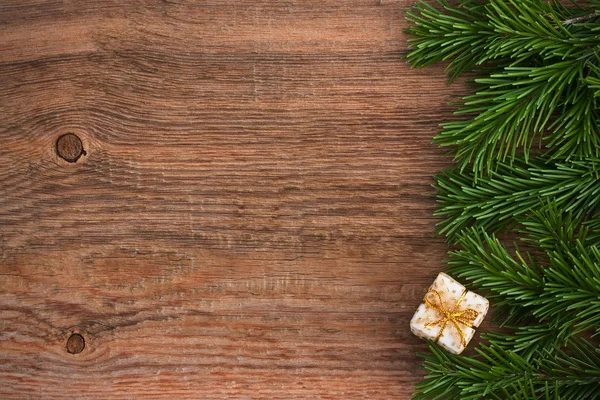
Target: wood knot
(69, 147)
(75, 343)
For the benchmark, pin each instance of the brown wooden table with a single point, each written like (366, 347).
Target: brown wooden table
(248, 213)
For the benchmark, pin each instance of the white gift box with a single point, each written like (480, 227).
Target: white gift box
(449, 313)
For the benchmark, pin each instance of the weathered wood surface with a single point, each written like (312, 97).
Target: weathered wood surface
(253, 214)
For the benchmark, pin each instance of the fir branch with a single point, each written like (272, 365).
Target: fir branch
(580, 19)
(573, 289)
(446, 32)
(511, 284)
(527, 339)
(550, 230)
(511, 110)
(493, 203)
(545, 76)
(593, 227)
(496, 373)
(565, 293)
(538, 66)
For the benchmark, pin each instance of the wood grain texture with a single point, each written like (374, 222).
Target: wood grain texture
(252, 217)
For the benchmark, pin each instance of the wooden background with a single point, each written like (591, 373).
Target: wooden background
(253, 215)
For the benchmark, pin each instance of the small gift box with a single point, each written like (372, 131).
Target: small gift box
(449, 313)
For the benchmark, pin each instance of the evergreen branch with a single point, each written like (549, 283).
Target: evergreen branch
(538, 64)
(573, 288)
(473, 33)
(593, 227)
(546, 73)
(526, 29)
(527, 339)
(494, 202)
(564, 294)
(496, 373)
(551, 230)
(512, 109)
(580, 19)
(576, 133)
(514, 286)
(446, 33)
(486, 263)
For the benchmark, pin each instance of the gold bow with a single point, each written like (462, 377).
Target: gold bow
(466, 317)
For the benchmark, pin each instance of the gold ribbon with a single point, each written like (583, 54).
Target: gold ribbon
(466, 317)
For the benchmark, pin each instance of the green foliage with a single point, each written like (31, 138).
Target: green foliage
(547, 304)
(562, 289)
(528, 162)
(496, 202)
(498, 373)
(540, 77)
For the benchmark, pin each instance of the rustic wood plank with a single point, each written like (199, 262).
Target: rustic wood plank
(252, 217)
